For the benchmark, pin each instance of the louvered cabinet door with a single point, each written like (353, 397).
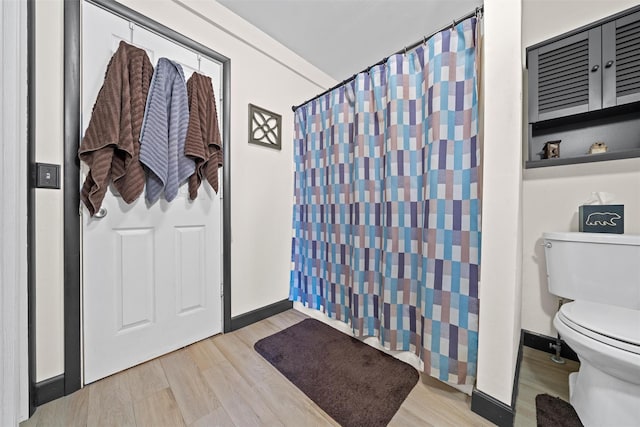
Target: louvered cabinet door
(621, 61)
(565, 77)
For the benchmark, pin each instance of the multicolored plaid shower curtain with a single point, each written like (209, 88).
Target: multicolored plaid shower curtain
(386, 215)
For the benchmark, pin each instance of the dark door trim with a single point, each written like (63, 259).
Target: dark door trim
(71, 204)
(31, 201)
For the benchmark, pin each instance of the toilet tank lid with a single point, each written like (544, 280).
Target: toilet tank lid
(618, 239)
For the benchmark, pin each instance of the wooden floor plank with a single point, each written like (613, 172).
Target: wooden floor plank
(251, 366)
(238, 397)
(48, 415)
(255, 332)
(217, 418)
(145, 379)
(158, 409)
(195, 399)
(205, 354)
(287, 318)
(77, 408)
(110, 402)
(405, 417)
(291, 405)
(441, 406)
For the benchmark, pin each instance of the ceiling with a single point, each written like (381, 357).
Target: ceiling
(343, 37)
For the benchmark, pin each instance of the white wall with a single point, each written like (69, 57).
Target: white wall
(264, 73)
(500, 270)
(551, 195)
(48, 211)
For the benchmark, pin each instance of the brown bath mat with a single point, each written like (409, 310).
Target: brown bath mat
(353, 382)
(555, 412)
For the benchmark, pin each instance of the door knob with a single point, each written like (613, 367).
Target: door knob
(101, 213)
(546, 244)
(608, 64)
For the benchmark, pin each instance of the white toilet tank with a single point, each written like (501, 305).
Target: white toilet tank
(596, 267)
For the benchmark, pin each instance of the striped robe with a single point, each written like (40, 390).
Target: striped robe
(164, 130)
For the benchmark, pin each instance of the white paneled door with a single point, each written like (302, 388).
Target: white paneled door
(151, 273)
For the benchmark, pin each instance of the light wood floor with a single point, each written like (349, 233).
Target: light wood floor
(223, 381)
(538, 374)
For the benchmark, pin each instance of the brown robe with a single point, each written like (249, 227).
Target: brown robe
(203, 141)
(111, 145)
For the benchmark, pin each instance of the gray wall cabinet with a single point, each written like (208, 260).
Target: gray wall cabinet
(621, 61)
(584, 87)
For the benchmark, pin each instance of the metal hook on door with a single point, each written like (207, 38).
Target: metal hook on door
(199, 60)
(131, 27)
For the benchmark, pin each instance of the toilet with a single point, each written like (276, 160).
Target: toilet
(601, 274)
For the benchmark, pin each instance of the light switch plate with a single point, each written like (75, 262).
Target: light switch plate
(47, 175)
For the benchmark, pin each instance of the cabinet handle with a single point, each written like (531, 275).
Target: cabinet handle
(595, 68)
(608, 64)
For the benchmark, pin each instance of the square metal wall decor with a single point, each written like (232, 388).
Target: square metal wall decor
(265, 127)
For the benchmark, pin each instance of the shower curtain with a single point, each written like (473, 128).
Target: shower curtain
(386, 214)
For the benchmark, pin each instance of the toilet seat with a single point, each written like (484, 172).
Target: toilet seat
(615, 326)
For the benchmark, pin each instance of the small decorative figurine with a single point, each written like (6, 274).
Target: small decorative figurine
(551, 150)
(598, 147)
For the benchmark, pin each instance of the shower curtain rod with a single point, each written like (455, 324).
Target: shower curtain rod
(476, 12)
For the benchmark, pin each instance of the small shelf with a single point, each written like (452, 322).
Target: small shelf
(617, 127)
(587, 158)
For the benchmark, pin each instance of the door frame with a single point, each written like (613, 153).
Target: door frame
(71, 175)
(14, 135)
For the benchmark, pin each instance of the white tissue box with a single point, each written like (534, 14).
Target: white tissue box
(601, 218)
